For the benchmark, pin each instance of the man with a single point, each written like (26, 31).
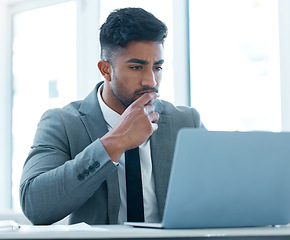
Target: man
(77, 163)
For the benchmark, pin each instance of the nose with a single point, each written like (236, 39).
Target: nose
(149, 79)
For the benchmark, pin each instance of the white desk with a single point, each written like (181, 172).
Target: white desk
(126, 232)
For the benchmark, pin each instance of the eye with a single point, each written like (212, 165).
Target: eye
(136, 67)
(158, 68)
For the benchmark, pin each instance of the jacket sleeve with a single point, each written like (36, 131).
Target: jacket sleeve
(53, 184)
(196, 118)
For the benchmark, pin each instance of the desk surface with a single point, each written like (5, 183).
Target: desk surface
(127, 232)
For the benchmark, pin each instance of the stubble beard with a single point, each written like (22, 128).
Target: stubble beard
(124, 103)
(119, 93)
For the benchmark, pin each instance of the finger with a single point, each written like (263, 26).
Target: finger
(154, 126)
(148, 109)
(153, 117)
(146, 98)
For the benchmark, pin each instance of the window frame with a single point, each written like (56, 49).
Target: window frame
(284, 45)
(6, 107)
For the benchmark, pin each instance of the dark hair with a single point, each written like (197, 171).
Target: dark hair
(129, 24)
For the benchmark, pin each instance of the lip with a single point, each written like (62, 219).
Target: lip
(141, 93)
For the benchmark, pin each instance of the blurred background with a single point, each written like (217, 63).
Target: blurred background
(228, 59)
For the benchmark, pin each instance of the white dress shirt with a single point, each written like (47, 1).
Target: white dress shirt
(149, 197)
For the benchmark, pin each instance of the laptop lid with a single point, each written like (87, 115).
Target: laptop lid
(228, 179)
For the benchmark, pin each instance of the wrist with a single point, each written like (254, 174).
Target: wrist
(113, 146)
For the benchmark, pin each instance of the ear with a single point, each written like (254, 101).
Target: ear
(105, 69)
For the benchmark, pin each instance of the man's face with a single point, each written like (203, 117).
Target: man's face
(137, 69)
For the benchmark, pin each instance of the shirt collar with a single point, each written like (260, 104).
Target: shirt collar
(110, 116)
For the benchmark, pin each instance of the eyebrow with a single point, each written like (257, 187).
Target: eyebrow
(137, 60)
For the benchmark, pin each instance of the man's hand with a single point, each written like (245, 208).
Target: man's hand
(135, 126)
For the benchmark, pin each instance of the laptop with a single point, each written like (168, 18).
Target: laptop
(227, 179)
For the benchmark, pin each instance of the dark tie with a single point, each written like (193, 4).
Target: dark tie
(135, 208)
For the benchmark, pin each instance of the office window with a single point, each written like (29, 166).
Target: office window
(166, 15)
(234, 63)
(44, 73)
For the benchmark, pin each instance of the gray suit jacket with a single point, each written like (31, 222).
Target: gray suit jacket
(68, 171)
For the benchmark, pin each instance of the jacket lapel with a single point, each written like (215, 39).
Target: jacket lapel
(161, 156)
(93, 120)
(92, 116)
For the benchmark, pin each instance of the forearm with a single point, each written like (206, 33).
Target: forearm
(50, 190)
